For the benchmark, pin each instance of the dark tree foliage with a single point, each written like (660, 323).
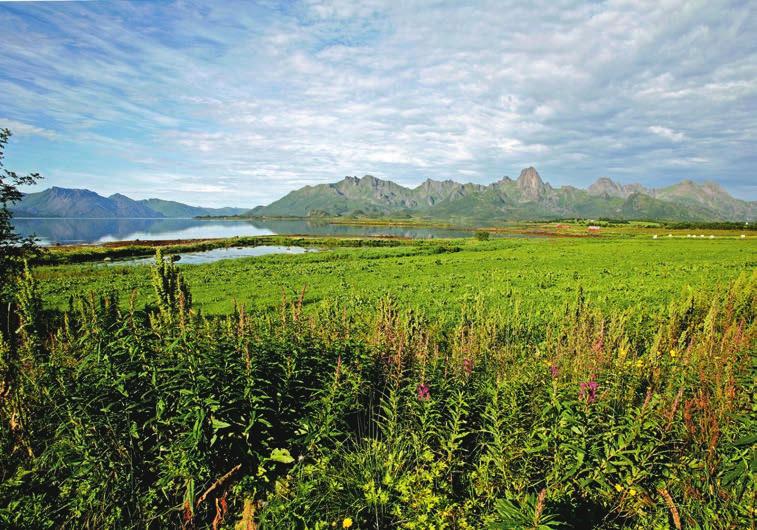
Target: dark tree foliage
(13, 248)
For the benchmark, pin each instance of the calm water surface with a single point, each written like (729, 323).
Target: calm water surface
(78, 231)
(209, 256)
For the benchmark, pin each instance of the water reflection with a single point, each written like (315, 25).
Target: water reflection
(72, 231)
(216, 254)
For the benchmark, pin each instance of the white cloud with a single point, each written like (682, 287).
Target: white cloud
(24, 129)
(667, 133)
(689, 161)
(513, 145)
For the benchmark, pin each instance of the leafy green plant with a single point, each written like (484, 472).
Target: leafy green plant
(14, 249)
(528, 514)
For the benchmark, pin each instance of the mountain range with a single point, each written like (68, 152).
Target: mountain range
(73, 203)
(526, 198)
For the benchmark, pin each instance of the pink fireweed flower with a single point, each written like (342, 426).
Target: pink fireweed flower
(467, 366)
(554, 370)
(424, 393)
(588, 390)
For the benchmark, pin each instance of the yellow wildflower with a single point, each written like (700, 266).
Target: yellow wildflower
(618, 487)
(673, 353)
(639, 363)
(347, 522)
(632, 492)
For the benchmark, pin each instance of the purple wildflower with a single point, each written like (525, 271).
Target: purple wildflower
(588, 390)
(424, 393)
(468, 366)
(554, 370)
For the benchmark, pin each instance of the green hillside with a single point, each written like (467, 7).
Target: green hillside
(178, 209)
(82, 203)
(64, 202)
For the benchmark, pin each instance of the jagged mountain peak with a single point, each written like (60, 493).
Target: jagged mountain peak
(530, 183)
(606, 186)
(430, 184)
(504, 181)
(689, 186)
(528, 176)
(714, 187)
(366, 181)
(605, 181)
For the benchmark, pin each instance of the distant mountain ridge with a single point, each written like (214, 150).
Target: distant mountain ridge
(83, 203)
(527, 197)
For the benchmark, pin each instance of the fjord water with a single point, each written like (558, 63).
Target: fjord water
(61, 231)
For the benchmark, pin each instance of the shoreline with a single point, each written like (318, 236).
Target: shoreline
(55, 254)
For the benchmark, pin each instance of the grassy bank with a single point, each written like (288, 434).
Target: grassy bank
(65, 254)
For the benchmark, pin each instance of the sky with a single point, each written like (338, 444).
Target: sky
(236, 104)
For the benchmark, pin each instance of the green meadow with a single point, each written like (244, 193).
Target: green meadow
(509, 383)
(439, 276)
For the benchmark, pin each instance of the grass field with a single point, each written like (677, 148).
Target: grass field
(516, 383)
(540, 272)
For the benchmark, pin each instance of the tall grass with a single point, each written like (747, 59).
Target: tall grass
(161, 417)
